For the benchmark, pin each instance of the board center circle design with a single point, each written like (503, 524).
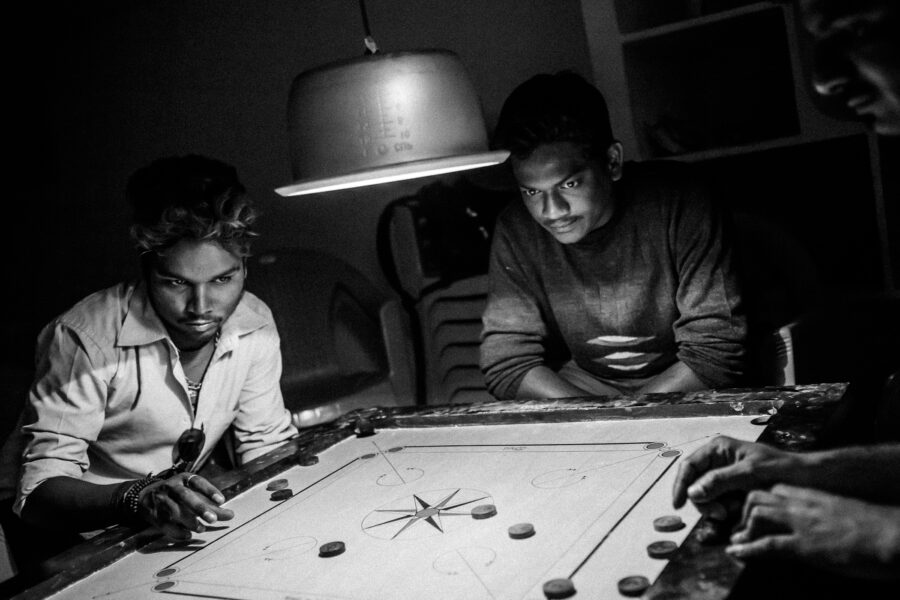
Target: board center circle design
(425, 514)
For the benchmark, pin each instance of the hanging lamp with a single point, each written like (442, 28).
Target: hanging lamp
(384, 117)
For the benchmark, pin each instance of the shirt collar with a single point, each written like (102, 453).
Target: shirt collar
(142, 326)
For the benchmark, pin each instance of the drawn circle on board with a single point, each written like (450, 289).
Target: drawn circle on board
(425, 514)
(462, 560)
(400, 476)
(670, 453)
(558, 478)
(288, 549)
(162, 587)
(654, 446)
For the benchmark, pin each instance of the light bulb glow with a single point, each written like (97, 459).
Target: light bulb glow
(398, 172)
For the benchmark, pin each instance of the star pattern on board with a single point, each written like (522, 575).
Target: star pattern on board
(425, 512)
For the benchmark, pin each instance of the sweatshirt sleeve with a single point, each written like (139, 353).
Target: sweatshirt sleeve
(513, 334)
(711, 328)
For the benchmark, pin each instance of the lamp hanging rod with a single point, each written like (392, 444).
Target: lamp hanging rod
(369, 41)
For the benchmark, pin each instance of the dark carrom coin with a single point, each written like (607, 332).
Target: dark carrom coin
(559, 588)
(484, 511)
(282, 494)
(331, 549)
(277, 484)
(661, 549)
(520, 531)
(633, 585)
(668, 523)
(307, 460)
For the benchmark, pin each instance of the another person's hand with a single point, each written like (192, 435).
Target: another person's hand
(832, 532)
(182, 504)
(728, 465)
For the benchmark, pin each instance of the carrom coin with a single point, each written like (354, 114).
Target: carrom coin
(331, 549)
(282, 494)
(520, 531)
(668, 523)
(661, 549)
(633, 585)
(484, 511)
(559, 588)
(277, 484)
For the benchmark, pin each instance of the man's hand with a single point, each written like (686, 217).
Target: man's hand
(832, 532)
(728, 465)
(183, 503)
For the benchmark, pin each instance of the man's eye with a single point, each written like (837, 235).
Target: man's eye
(224, 278)
(529, 193)
(175, 282)
(572, 183)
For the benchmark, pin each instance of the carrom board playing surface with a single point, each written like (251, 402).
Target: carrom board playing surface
(425, 512)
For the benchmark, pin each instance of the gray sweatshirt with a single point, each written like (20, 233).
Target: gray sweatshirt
(656, 284)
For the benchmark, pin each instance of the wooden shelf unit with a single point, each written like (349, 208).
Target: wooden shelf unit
(724, 84)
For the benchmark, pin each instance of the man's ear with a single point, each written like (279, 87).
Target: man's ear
(615, 158)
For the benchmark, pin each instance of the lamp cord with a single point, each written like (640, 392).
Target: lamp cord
(369, 41)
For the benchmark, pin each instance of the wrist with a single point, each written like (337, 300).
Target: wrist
(128, 499)
(793, 468)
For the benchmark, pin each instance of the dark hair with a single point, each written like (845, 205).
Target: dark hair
(561, 107)
(190, 197)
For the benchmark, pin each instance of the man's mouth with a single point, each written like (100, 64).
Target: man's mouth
(200, 325)
(860, 102)
(563, 225)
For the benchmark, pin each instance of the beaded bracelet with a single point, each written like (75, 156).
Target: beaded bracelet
(129, 502)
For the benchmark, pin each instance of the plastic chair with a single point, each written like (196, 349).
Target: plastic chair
(855, 341)
(450, 320)
(345, 344)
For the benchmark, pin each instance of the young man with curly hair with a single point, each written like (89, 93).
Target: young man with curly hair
(137, 383)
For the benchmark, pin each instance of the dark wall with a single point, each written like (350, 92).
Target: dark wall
(102, 88)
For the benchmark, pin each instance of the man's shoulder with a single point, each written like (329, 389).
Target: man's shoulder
(252, 317)
(515, 220)
(664, 175)
(99, 314)
(256, 306)
(668, 186)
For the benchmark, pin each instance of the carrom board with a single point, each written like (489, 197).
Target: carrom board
(425, 512)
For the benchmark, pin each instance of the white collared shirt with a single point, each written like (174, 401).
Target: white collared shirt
(110, 397)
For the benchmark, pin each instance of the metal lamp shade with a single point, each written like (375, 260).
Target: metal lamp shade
(384, 117)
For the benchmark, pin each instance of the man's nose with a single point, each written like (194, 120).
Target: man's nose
(832, 70)
(199, 302)
(555, 205)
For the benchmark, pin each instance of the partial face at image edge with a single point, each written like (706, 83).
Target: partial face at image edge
(568, 192)
(857, 57)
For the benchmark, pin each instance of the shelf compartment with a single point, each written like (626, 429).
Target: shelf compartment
(822, 196)
(639, 15)
(728, 83)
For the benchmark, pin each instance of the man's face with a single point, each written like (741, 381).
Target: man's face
(857, 56)
(194, 287)
(567, 193)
